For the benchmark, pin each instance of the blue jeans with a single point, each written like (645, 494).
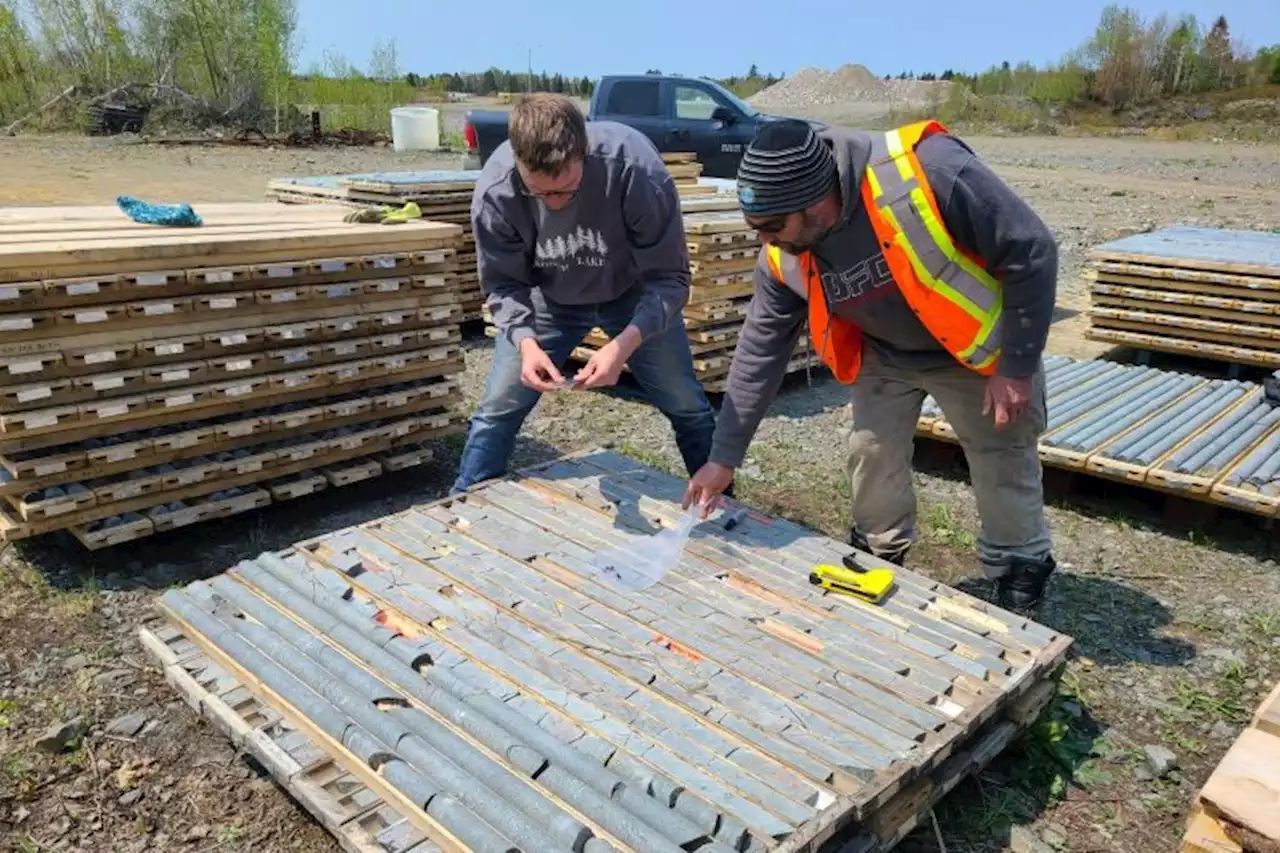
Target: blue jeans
(662, 366)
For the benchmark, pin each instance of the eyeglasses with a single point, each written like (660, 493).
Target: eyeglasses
(567, 194)
(772, 225)
(550, 194)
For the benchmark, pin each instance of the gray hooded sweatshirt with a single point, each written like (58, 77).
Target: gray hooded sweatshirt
(982, 214)
(624, 229)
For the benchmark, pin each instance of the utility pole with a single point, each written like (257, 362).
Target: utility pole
(529, 64)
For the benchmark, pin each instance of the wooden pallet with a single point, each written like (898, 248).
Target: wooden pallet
(1238, 809)
(1233, 477)
(736, 701)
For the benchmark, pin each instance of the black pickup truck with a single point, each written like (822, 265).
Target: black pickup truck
(679, 114)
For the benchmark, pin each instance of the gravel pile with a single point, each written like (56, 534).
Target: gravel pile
(816, 87)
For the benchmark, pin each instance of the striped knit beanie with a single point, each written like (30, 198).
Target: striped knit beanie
(785, 168)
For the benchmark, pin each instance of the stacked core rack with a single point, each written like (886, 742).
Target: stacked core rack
(155, 377)
(458, 677)
(1212, 440)
(723, 252)
(1205, 292)
(443, 196)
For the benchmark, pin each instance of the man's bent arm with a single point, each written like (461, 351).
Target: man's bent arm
(503, 265)
(655, 223)
(775, 317)
(993, 221)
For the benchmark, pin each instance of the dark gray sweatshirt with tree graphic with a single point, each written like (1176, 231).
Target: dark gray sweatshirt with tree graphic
(622, 230)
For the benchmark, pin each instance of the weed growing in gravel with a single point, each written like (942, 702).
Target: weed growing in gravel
(941, 526)
(1063, 749)
(646, 457)
(1221, 701)
(1264, 623)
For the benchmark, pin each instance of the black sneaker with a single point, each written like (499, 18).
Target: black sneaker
(1022, 588)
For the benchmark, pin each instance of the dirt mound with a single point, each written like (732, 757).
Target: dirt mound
(815, 87)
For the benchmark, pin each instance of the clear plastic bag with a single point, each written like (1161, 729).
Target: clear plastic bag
(630, 570)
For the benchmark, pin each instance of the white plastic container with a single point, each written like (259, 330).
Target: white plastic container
(415, 128)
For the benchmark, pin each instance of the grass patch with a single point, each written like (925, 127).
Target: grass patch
(1062, 750)
(648, 457)
(941, 526)
(1264, 623)
(1223, 700)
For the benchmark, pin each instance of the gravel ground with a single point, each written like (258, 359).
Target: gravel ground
(1164, 660)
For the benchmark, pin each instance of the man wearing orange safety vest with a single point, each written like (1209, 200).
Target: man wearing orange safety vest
(919, 273)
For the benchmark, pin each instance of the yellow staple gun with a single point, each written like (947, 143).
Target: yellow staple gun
(870, 585)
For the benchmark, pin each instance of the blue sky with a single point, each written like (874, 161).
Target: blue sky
(718, 39)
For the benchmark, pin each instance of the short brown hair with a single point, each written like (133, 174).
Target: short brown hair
(547, 132)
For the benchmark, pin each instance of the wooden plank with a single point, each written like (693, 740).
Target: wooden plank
(1165, 343)
(231, 436)
(1245, 787)
(1205, 835)
(1194, 304)
(1267, 717)
(436, 426)
(1221, 250)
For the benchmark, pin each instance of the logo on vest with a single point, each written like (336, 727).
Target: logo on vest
(583, 247)
(857, 281)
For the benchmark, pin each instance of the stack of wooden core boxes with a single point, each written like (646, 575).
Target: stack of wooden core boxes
(153, 377)
(442, 196)
(475, 675)
(1204, 292)
(723, 252)
(445, 196)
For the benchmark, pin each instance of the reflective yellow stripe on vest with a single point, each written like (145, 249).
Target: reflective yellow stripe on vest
(937, 261)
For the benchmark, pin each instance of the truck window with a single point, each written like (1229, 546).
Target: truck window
(633, 98)
(693, 102)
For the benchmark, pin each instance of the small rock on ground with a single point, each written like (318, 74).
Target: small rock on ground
(63, 737)
(75, 663)
(127, 725)
(1023, 840)
(1160, 760)
(1055, 835)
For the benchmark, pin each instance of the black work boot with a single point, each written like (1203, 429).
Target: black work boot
(857, 540)
(1021, 589)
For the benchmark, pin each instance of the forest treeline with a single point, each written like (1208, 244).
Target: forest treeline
(234, 59)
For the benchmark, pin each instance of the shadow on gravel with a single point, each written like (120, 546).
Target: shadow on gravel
(1113, 624)
(1065, 753)
(208, 548)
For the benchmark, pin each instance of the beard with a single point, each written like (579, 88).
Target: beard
(810, 235)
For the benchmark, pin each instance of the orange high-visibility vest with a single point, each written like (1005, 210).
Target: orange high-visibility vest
(946, 286)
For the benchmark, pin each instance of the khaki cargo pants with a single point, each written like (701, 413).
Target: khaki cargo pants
(1004, 465)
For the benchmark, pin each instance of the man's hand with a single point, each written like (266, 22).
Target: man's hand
(706, 487)
(536, 368)
(1008, 398)
(606, 365)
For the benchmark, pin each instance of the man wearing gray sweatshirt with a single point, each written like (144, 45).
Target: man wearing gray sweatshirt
(920, 273)
(578, 226)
